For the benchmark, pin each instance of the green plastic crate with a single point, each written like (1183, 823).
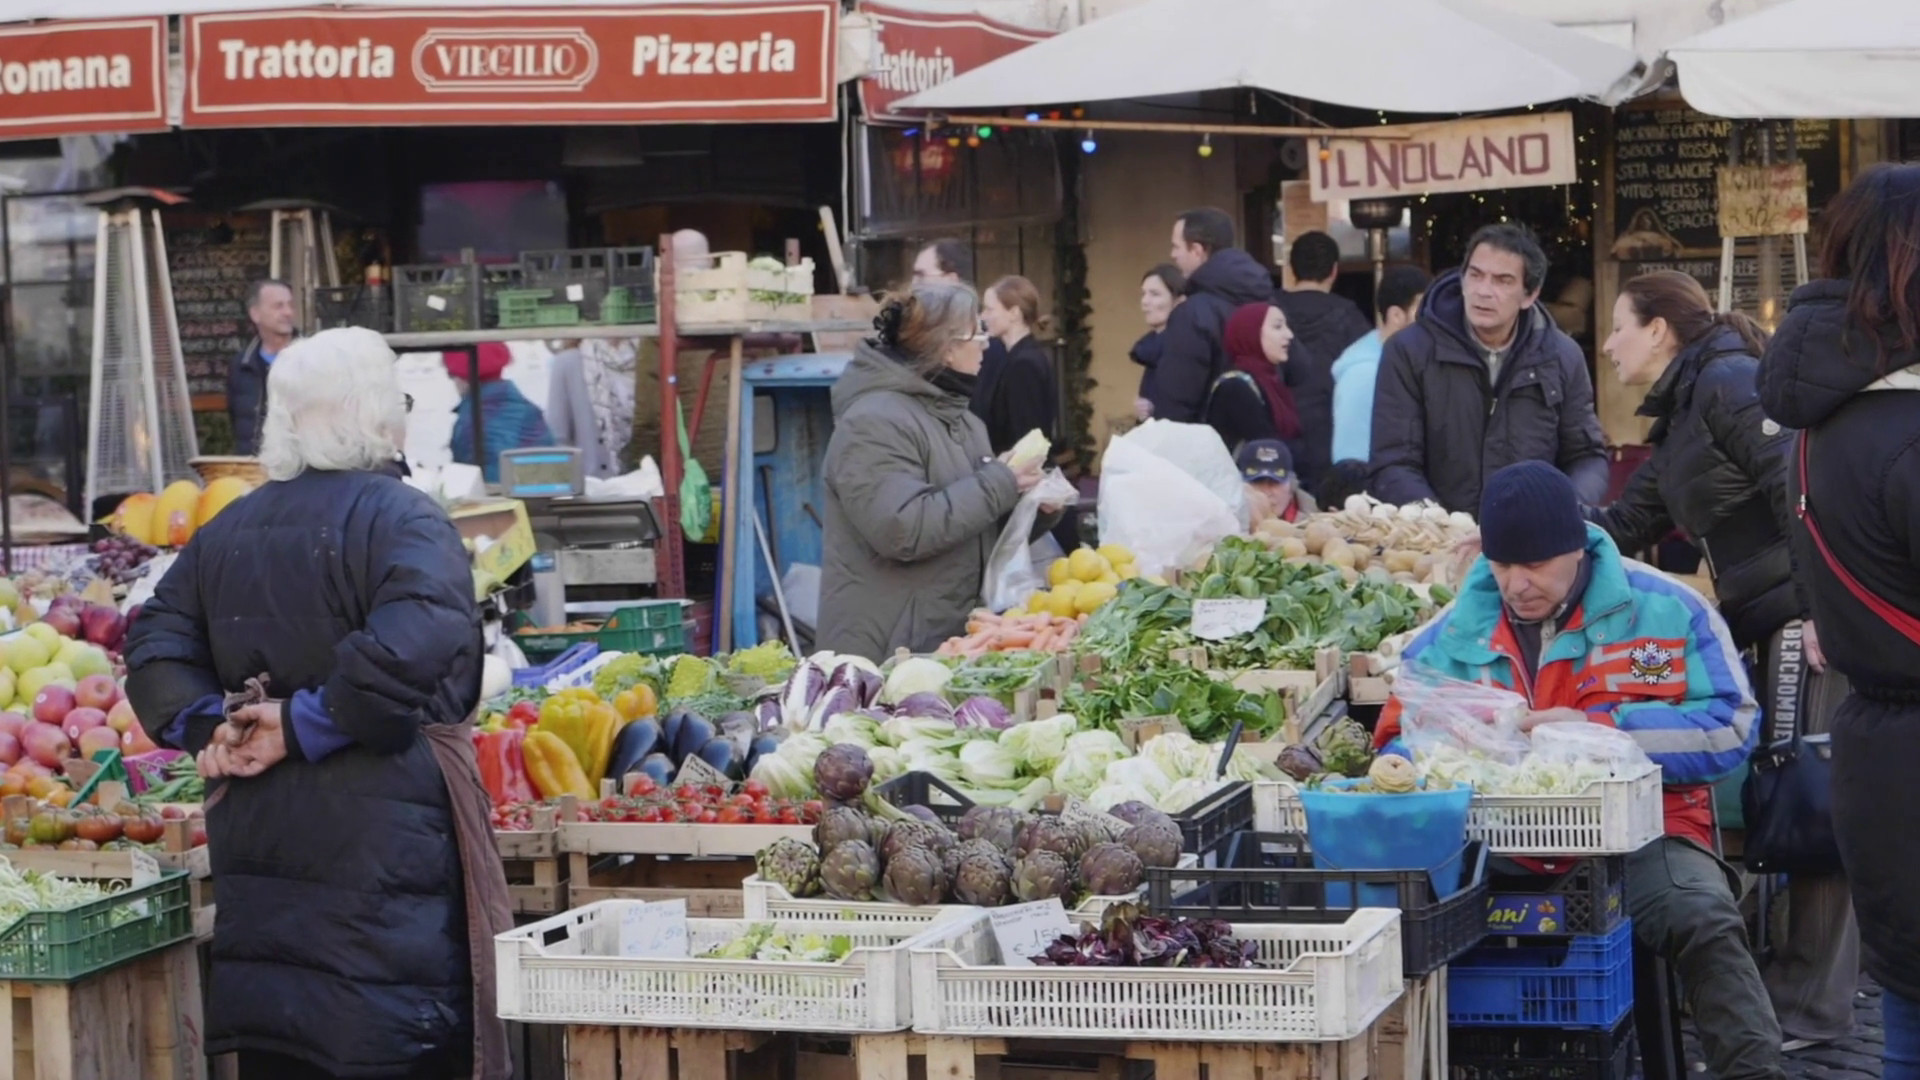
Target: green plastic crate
(62, 946)
(653, 628)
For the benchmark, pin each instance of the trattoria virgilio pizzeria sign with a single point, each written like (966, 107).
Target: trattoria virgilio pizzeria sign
(634, 64)
(1530, 150)
(74, 78)
(920, 50)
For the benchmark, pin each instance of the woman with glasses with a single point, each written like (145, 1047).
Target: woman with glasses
(915, 495)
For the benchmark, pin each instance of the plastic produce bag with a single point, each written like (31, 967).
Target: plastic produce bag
(1441, 712)
(1012, 574)
(1573, 743)
(1168, 491)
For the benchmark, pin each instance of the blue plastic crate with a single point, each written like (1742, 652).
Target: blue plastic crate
(1584, 982)
(570, 660)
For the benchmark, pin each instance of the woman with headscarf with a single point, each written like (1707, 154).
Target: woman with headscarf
(1251, 400)
(318, 649)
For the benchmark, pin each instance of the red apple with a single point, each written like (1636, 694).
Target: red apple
(28, 767)
(94, 740)
(171, 812)
(65, 620)
(97, 692)
(13, 722)
(47, 744)
(120, 717)
(134, 741)
(82, 720)
(52, 704)
(9, 748)
(103, 626)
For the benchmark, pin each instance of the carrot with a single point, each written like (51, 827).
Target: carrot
(1013, 639)
(1068, 633)
(1043, 641)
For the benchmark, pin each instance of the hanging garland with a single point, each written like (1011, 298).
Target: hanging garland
(1072, 313)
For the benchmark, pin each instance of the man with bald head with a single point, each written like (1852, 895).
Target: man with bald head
(690, 248)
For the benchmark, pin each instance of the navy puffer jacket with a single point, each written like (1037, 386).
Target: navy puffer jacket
(341, 934)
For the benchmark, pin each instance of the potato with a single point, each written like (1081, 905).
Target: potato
(1399, 560)
(1338, 553)
(1293, 547)
(1319, 535)
(1406, 579)
(1379, 574)
(1349, 575)
(1423, 566)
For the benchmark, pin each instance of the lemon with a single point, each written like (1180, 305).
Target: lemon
(1037, 603)
(1115, 553)
(1111, 577)
(1060, 572)
(1062, 603)
(1127, 571)
(1093, 596)
(1156, 579)
(1086, 564)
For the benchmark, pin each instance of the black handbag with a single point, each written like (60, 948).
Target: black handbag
(1788, 804)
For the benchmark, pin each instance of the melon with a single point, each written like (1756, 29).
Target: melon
(217, 496)
(134, 517)
(173, 513)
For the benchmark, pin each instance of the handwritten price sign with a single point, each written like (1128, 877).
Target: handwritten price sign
(1763, 200)
(1023, 931)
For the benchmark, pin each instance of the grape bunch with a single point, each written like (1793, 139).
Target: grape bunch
(121, 559)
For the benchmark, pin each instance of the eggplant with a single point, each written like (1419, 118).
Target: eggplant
(719, 753)
(694, 733)
(670, 726)
(635, 741)
(659, 767)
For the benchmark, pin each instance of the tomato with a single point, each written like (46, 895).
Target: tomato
(743, 801)
(643, 786)
(756, 788)
(689, 811)
(732, 815)
(97, 827)
(813, 808)
(708, 817)
(686, 793)
(715, 791)
(789, 816)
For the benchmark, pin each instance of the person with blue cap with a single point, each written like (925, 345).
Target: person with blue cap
(1554, 612)
(1267, 467)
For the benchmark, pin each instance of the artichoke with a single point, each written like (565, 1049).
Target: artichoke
(915, 876)
(915, 833)
(1300, 762)
(791, 864)
(1040, 875)
(843, 823)
(1133, 811)
(842, 772)
(1048, 833)
(924, 814)
(1346, 748)
(952, 857)
(1156, 843)
(998, 825)
(1110, 870)
(1393, 775)
(850, 871)
(984, 879)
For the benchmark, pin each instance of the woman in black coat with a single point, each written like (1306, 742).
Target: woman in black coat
(1252, 401)
(354, 911)
(1160, 291)
(1845, 369)
(1017, 391)
(1719, 473)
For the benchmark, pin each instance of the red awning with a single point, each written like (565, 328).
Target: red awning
(922, 49)
(77, 78)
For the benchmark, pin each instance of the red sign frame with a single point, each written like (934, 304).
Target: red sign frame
(635, 64)
(919, 50)
(106, 76)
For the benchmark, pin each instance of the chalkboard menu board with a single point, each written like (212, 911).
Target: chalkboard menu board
(1664, 160)
(214, 258)
(1746, 276)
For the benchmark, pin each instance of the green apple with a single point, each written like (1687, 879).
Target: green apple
(9, 594)
(45, 635)
(6, 686)
(40, 678)
(86, 660)
(68, 651)
(25, 652)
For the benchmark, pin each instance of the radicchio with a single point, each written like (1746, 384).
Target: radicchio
(982, 713)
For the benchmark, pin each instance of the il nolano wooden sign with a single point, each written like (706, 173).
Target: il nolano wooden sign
(1532, 150)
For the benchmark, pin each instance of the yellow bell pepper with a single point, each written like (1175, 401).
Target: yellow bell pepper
(553, 768)
(586, 725)
(636, 703)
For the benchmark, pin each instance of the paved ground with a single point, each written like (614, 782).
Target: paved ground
(1855, 1058)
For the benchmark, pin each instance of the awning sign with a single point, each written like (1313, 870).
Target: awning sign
(919, 51)
(1530, 150)
(634, 64)
(75, 78)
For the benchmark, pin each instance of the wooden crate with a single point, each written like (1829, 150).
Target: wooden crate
(639, 1053)
(177, 853)
(139, 1019)
(897, 1057)
(536, 872)
(711, 887)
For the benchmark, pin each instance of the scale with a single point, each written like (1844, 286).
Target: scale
(546, 472)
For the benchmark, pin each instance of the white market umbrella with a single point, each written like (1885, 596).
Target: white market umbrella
(1849, 59)
(1420, 56)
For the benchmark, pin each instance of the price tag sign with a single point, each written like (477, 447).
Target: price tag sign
(654, 931)
(146, 869)
(1078, 813)
(576, 293)
(1218, 620)
(437, 303)
(698, 773)
(1023, 931)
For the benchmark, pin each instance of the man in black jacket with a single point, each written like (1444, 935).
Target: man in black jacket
(270, 308)
(1323, 326)
(1482, 380)
(1220, 278)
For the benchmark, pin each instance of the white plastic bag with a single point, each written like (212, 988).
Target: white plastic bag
(1167, 490)
(1438, 711)
(1571, 743)
(1012, 574)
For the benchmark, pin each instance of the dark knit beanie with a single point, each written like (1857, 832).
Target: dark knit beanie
(1529, 513)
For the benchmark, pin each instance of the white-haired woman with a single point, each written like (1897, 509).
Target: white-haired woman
(358, 889)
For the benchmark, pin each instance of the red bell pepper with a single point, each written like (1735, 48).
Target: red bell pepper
(503, 768)
(523, 715)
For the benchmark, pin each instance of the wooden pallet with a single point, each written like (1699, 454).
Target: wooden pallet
(139, 1019)
(711, 887)
(895, 1057)
(536, 873)
(638, 1053)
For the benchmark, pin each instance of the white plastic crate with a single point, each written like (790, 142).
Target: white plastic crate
(765, 900)
(567, 970)
(1320, 984)
(1611, 817)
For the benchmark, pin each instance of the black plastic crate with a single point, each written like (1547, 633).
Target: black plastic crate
(1589, 899)
(436, 297)
(1208, 826)
(1539, 1053)
(369, 306)
(928, 790)
(633, 269)
(1270, 878)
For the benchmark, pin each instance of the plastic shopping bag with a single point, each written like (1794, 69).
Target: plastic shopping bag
(1157, 506)
(1441, 712)
(1013, 576)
